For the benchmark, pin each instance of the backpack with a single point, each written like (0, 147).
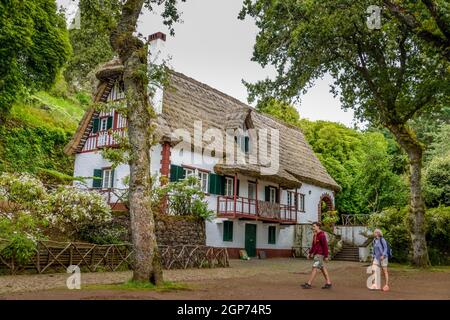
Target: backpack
(389, 249)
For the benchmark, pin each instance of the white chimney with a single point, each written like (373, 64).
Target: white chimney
(156, 56)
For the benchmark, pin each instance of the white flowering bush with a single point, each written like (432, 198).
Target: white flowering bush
(72, 208)
(28, 211)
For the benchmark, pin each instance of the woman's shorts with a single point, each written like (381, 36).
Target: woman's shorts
(384, 262)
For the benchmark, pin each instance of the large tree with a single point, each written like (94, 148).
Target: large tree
(385, 75)
(34, 47)
(428, 19)
(90, 40)
(132, 51)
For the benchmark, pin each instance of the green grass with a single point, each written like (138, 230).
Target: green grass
(132, 285)
(43, 109)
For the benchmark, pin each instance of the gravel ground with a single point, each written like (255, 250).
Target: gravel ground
(254, 279)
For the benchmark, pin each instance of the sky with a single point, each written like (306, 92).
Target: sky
(212, 46)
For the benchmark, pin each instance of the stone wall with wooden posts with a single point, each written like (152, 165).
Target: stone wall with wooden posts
(174, 230)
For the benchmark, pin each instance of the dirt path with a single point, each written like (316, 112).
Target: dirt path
(255, 279)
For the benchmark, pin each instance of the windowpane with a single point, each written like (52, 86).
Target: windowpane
(302, 202)
(229, 187)
(251, 190)
(106, 179)
(203, 178)
(273, 195)
(104, 124)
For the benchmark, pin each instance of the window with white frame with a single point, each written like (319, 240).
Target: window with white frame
(290, 198)
(272, 195)
(252, 190)
(103, 124)
(203, 177)
(189, 172)
(107, 179)
(301, 202)
(229, 187)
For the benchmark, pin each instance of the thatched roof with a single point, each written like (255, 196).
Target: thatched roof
(187, 100)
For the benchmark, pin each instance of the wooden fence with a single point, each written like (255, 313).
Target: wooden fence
(51, 256)
(354, 219)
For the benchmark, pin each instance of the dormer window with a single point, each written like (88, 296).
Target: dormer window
(243, 142)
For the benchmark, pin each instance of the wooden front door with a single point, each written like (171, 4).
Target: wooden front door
(250, 239)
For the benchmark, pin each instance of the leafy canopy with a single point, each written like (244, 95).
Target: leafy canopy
(383, 75)
(34, 46)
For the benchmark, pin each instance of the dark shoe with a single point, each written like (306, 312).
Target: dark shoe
(306, 286)
(327, 286)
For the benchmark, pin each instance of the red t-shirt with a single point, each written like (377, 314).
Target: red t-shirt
(319, 244)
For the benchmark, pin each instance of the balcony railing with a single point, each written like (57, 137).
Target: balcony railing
(255, 210)
(103, 139)
(354, 219)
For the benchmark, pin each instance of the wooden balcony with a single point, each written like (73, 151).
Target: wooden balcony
(103, 139)
(252, 209)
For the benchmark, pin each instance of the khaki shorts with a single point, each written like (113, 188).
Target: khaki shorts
(384, 262)
(318, 261)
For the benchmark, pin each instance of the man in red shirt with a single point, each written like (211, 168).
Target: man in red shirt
(319, 252)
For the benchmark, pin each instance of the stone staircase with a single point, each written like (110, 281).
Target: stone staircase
(348, 253)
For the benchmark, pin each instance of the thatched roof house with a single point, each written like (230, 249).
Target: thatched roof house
(188, 100)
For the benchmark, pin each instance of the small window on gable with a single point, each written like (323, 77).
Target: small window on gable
(103, 124)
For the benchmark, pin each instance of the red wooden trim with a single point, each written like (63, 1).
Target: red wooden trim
(234, 191)
(115, 119)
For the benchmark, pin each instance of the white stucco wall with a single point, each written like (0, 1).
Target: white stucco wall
(214, 235)
(312, 198)
(352, 234)
(86, 162)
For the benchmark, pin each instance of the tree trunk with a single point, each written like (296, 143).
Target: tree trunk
(416, 217)
(133, 55)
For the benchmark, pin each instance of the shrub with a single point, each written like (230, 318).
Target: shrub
(393, 223)
(436, 182)
(72, 208)
(28, 211)
(183, 198)
(108, 233)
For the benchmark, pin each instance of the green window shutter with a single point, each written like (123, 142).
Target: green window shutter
(267, 193)
(247, 144)
(176, 173)
(277, 195)
(215, 184)
(237, 188)
(221, 184)
(95, 125)
(109, 123)
(272, 235)
(228, 231)
(97, 181)
(112, 178)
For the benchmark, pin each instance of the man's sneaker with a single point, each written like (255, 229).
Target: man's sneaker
(327, 286)
(306, 286)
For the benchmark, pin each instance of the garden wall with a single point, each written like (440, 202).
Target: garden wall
(173, 230)
(180, 230)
